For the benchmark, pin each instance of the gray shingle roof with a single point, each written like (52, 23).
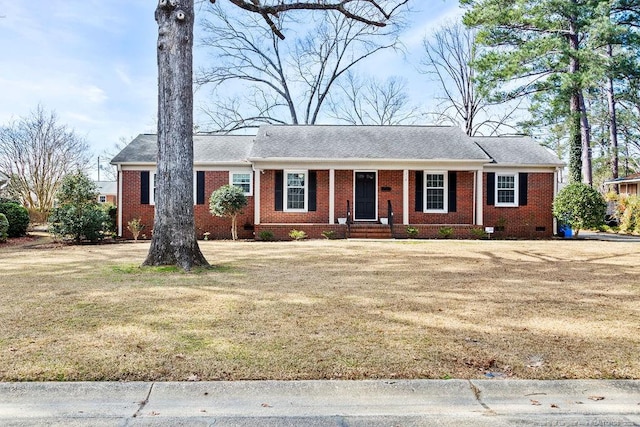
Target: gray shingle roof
(335, 142)
(520, 150)
(365, 142)
(107, 187)
(206, 149)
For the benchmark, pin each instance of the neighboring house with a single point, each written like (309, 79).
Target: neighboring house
(628, 185)
(107, 191)
(311, 178)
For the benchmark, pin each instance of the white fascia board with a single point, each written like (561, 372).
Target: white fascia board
(198, 166)
(504, 167)
(234, 166)
(136, 166)
(367, 164)
(624, 181)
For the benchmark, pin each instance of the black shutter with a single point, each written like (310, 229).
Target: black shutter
(144, 187)
(278, 193)
(419, 191)
(312, 191)
(452, 191)
(491, 188)
(523, 185)
(200, 188)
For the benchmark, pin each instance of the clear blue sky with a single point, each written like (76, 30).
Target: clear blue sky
(94, 62)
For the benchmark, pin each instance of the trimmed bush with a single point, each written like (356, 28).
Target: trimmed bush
(629, 214)
(297, 234)
(445, 232)
(228, 201)
(4, 226)
(412, 232)
(266, 235)
(78, 215)
(580, 206)
(18, 217)
(112, 213)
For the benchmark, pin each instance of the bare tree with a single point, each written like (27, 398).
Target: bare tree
(36, 152)
(174, 239)
(449, 57)
(283, 82)
(368, 101)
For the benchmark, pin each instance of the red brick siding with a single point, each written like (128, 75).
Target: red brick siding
(219, 228)
(428, 231)
(522, 221)
(343, 192)
(314, 231)
(268, 214)
(131, 207)
(390, 179)
(464, 202)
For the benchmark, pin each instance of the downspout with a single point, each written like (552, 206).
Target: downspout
(256, 194)
(119, 169)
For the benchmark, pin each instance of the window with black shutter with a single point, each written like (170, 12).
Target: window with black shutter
(419, 191)
(200, 188)
(278, 196)
(453, 184)
(144, 187)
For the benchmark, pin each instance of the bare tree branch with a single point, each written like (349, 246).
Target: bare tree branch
(371, 102)
(342, 6)
(449, 57)
(299, 75)
(36, 152)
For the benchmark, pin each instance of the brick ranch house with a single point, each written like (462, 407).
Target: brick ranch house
(377, 179)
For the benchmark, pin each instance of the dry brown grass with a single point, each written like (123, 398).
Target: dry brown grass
(323, 309)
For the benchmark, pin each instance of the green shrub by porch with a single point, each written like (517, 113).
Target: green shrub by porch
(18, 217)
(4, 226)
(580, 206)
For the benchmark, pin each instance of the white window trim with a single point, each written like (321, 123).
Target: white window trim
(232, 173)
(445, 201)
(285, 192)
(195, 188)
(515, 190)
(152, 186)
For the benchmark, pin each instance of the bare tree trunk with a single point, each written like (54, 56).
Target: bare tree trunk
(234, 229)
(174, 239)
(585, 133)
(575, 108)
(613, 125)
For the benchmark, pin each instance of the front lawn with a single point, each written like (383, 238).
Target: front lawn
(323, 309)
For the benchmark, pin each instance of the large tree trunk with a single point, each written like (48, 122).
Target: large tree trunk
(174, 239)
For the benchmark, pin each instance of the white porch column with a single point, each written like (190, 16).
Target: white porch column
(332, 195)
(479, 198)
(405, 197)
(256, 196)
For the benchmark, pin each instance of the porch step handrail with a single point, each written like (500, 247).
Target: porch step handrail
(390, 214)
(348, 218)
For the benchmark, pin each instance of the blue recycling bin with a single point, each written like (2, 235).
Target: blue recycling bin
(565, 231)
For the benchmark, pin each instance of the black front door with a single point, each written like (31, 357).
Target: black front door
(365, 204)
